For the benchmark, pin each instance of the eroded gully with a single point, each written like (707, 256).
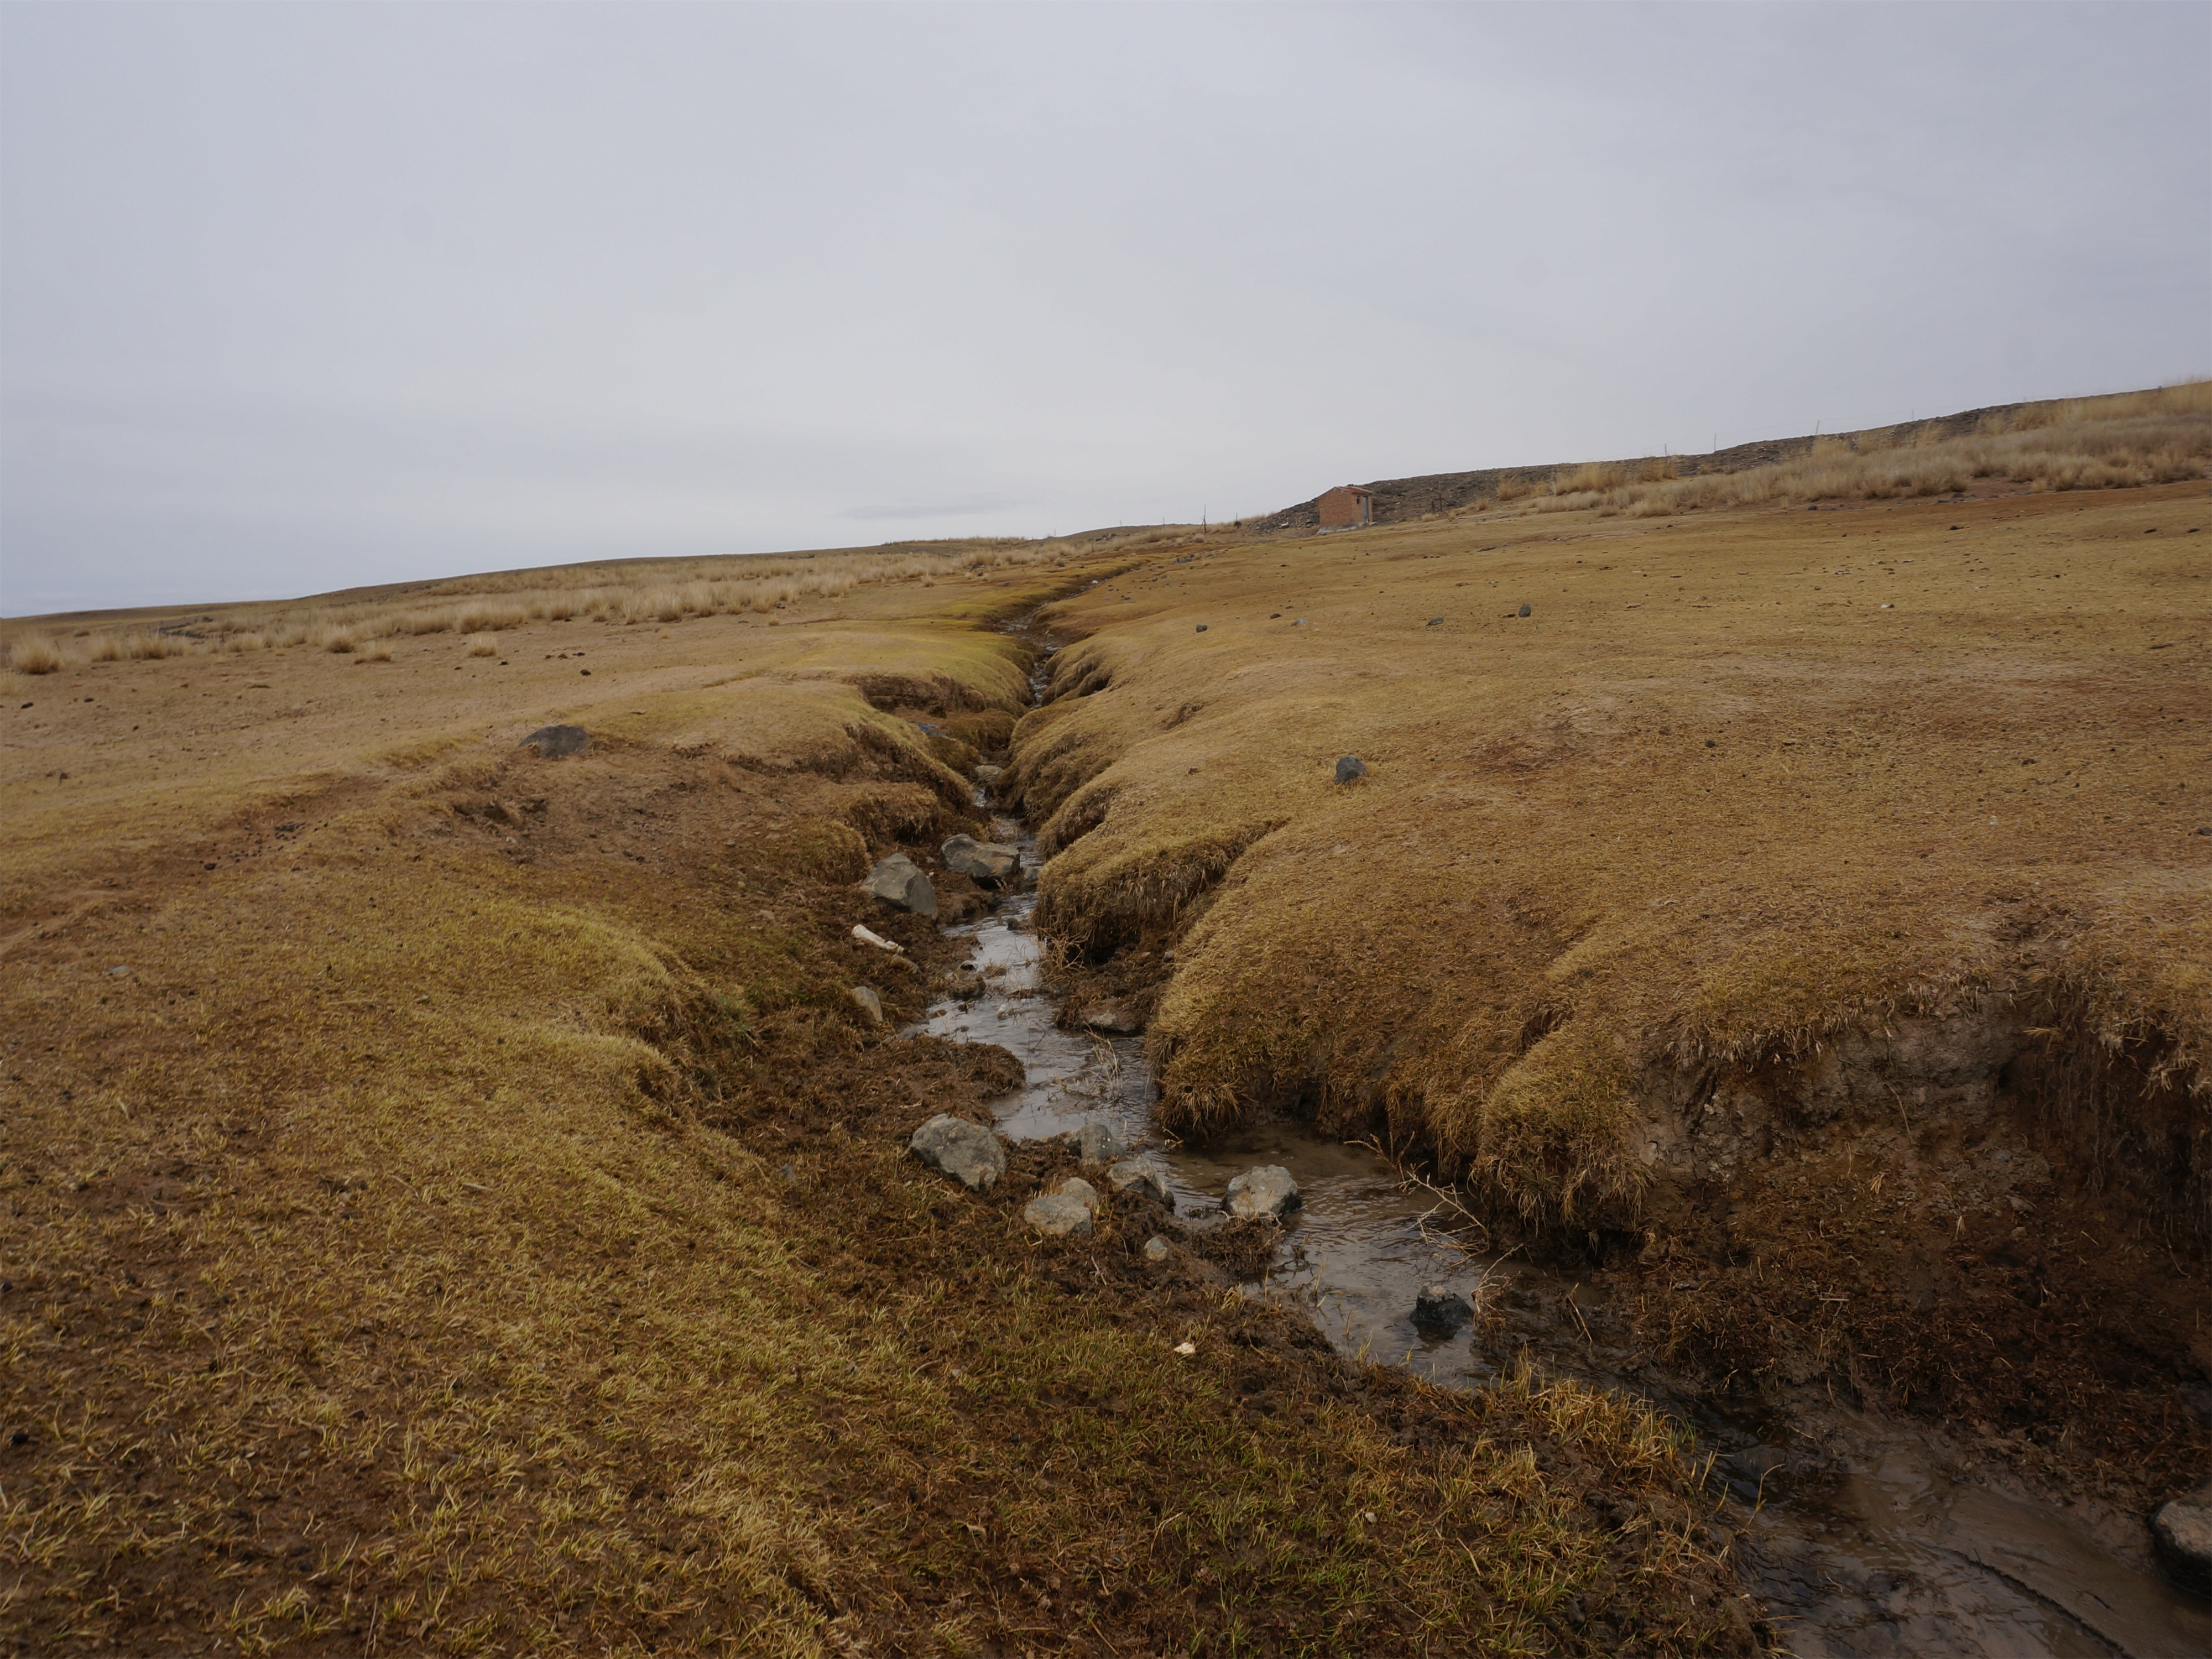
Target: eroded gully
(1899, 1545)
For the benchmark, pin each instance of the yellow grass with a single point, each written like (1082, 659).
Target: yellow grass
(1714, 803)
(2161, 436)
(435, 1237)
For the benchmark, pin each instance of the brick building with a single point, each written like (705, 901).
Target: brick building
(1347, 504)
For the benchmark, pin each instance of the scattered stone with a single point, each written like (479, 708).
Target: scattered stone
(967, 1151)
(554, 742)
(1435, 621)
(986, 863)
(1098, 1141)
(987, 773)
(2183, 1532)
(1266, 1193)
(898, 880)
(1524, 611)
(1157, 1249)
(1439, 1310)
(1186, 1349)
(870, 1003)
(1111, 1019)
(1350, 768)
(1122, 1178)
(1201, 627)
(1067, 1211)
(1083, 1193)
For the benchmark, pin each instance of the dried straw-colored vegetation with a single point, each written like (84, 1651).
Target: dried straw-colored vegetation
(2120, 441)
(630, 591)
(456, 1207)
(1713, 803)
(1771, 851)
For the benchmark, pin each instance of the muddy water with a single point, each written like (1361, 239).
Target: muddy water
(1899, 1558)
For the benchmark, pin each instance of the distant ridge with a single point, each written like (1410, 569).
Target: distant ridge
(1398, 499)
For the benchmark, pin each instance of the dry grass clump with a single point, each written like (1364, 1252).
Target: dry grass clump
(483, 646)
(1734, 791)
(336, 638)
(34, 654)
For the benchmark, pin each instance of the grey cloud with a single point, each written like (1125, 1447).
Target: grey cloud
(292, 298)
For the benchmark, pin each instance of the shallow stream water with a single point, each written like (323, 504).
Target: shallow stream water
(1902, 1556)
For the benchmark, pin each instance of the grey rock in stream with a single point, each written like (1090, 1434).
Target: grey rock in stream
(1440, 1310)
(1098, 1141)
(1350, 768)
(1111, 1019)
(2183, 1532)
(1265, 1193)
(898, 880)
(1122, 1178)
(988, 863)
(1067, 1211)
(969, 1152)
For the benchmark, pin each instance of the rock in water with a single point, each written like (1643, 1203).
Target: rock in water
(988, 863)
(1266, 1193)
(967, 1151)
(1111, 1019)
(1126, 1177)
(1350, 768)
(869, 1003)
(1099, 1142)
(2183, 1531)
(1067, 1211)
(898, 880)
(1439, 1310)
(552, 742)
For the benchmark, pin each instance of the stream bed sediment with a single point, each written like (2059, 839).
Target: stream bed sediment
(1862, 1534)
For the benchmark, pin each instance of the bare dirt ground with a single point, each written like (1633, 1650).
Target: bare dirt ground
(451, 1202)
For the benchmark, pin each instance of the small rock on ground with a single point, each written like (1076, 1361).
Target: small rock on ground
(1350, 768)
(898, 880)
(552, 742)
(1124, 1176)
(988, 863)
(969, 1152)
(1067, 1211)
(1157, 1250)
(1440, 1310)
(1266, 1193)
(2183, 1532)
(869, 1003)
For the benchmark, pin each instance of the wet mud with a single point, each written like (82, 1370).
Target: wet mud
(1862, 1535)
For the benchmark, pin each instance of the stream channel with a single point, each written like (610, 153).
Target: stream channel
(1905, 1553)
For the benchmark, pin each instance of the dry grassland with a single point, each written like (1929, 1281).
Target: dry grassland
(452, 1205)
(1771, 855)
(2115, 442)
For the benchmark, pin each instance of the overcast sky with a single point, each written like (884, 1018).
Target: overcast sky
(296, 297)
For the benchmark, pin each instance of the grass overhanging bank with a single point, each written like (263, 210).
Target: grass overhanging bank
(1818, 903)
(455, 1204)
